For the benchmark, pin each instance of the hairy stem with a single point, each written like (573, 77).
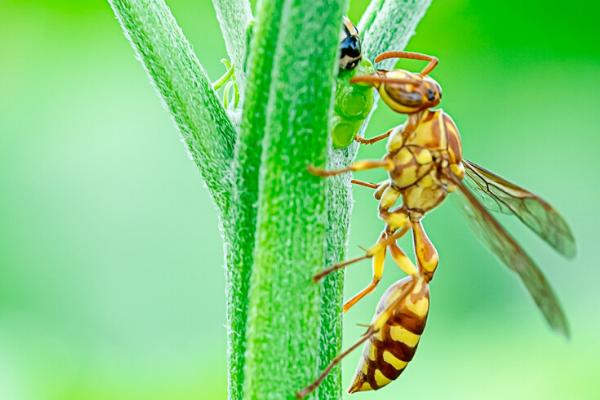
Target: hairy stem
(389, 25)
(247, 162)
(281, 224)
(185, 89)
(284, 320)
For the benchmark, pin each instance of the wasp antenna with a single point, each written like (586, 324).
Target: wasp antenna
(376, 80)
(372, 80)
(409, 55)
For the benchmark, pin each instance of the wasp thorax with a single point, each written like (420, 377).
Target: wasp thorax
(408, 92)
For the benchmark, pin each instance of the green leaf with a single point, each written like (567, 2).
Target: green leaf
(185, 89)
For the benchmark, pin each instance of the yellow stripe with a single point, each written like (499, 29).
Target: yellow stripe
(420, 308)
(365, 367)
(400, 334)
(381, 379)
(372, 353)
(394, 361)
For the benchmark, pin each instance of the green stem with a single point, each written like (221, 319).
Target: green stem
(389, 25)
(287, 108)
(185, 89)
(284, 320)
(247, 161)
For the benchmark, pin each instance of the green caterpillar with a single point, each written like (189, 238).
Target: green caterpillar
(352, 102)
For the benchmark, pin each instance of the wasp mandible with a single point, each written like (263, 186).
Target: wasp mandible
(424, 163)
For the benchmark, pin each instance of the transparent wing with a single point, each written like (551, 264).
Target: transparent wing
(499, 195)
(509, 251)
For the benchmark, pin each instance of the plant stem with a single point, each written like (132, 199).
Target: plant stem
(247, 162)
(284, 320)
(389, 25)
(185, 89)
(289, 92)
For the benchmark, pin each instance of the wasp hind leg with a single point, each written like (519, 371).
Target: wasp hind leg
(377, 253)
(311, 388)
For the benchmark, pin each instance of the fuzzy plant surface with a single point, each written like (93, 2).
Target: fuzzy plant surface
(280, 224)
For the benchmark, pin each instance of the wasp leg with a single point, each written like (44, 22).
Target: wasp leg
(357, 166)
(381, 189)
(397, 224)
(337, 267)
(427, 255)
(377, 252)
(433, 61)
(397, 219)
(372, 140)
(370, 253)
(402, 260)
(365, 184)
(310, 388)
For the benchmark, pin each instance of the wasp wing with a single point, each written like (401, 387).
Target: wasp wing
(497, 194)
(511, 253)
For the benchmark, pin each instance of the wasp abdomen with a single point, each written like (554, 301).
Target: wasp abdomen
(392, 347)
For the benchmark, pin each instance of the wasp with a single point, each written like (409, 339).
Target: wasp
(424, 163)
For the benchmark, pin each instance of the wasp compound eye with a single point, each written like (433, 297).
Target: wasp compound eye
(430, 95)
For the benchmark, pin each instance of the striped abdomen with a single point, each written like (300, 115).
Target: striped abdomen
(389, 350)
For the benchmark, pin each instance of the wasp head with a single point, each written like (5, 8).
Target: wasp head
(403, 91)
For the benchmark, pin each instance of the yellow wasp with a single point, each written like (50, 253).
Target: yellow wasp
(424, 162)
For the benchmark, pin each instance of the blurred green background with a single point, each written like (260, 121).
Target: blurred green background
(111, 270)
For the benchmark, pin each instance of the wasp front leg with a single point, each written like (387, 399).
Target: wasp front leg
(386, 164)
(372, 140)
